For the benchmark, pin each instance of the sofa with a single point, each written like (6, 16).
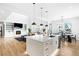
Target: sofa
(22, 38)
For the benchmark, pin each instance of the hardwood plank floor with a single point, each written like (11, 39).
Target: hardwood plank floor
(12, 47)
(69, 49)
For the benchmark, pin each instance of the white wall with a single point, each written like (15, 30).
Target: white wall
(55, 26)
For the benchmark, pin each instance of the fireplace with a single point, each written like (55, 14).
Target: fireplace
(18, 32)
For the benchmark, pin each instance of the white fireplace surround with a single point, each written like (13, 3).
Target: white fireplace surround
(18, 32)
(13, 34)
(18, 29)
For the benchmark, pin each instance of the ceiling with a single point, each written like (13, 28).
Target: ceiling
(55, 10)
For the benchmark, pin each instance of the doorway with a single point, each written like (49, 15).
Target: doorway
(1, 29)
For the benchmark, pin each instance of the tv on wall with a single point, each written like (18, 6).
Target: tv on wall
(19, 25)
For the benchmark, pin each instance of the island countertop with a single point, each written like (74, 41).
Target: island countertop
(40, 37)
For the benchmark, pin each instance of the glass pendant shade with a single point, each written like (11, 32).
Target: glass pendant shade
(41, 17)
(34, 13)
(41, 24)
(46, 25)
(33, 23)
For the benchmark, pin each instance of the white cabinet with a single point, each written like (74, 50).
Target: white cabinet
(34, 47)
(55, 42)
(46, 48)
(41, 48)
(49, 47)
(9, 31)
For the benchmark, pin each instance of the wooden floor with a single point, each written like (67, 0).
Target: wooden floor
(69, 49)
(12, 47)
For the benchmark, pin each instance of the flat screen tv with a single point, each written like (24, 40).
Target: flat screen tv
(19, 25)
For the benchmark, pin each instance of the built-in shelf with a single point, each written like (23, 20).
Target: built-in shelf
(9, 26)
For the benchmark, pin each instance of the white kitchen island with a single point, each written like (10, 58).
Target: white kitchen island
(39, 45)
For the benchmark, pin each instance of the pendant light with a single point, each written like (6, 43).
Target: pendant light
(61, 25)
(46, 17)
(41, 17)
(46, 25)
(33, 14)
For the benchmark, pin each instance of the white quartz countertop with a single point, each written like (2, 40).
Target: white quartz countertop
(40, 38)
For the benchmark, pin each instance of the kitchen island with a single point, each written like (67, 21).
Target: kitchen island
(39, 45)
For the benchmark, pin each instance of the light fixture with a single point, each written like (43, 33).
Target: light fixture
(33, 14)
(41, 17)
(33, 3)
(41, 24)
(33, 23)
(46, 17)
(46, 25)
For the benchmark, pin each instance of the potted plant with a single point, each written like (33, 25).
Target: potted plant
(29, 31)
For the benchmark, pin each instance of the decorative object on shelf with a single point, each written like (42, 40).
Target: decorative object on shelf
(41, 17)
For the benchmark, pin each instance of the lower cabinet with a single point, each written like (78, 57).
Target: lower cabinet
(39, 48)
(55, 42)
